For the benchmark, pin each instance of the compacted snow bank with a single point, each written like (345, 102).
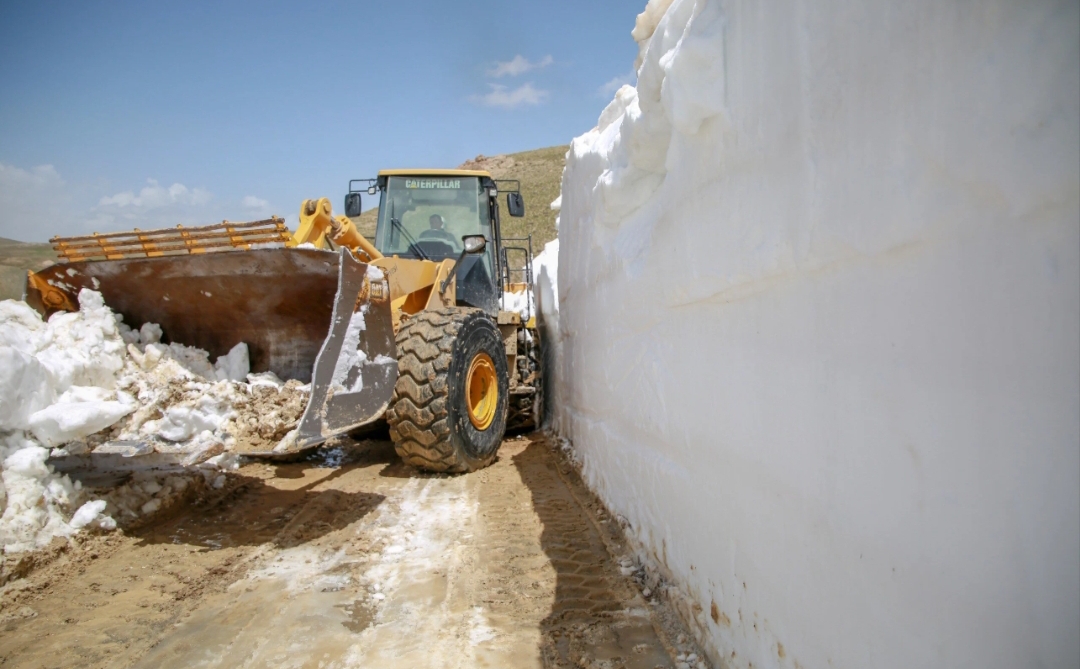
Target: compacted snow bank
(84, 382)
(815, 321)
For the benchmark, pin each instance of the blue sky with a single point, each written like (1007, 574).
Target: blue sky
(117, 115)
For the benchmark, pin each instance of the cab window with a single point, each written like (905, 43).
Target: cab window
(426, 217)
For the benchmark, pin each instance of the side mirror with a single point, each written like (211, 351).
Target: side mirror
(474, 244)
(515, 204)
(352, 205)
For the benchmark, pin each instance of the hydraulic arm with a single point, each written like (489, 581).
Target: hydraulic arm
(317, 225)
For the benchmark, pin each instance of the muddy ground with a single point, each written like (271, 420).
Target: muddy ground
(352, 559)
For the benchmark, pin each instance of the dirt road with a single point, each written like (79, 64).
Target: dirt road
(353, 560)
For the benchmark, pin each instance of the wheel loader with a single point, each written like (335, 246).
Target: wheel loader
(409, 328)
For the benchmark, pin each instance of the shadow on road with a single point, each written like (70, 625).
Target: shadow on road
(587, 621)
(250, 511)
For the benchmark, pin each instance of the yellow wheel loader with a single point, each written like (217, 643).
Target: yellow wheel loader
(409, 327)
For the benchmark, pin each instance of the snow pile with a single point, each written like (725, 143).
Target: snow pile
(58, 380)
(86, 382)
(815, 325)
(34, 498)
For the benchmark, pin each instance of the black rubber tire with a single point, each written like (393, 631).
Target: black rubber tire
(428, 414)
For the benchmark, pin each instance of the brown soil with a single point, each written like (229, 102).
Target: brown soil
(350, 559)
(266, 416)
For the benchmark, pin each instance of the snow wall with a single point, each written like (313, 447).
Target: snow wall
(817, 335)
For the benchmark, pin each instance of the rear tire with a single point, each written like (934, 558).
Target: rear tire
(430, 420)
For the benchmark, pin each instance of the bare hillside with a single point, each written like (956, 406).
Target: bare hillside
(15, 259)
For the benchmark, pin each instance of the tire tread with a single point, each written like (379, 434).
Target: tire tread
(418, 415)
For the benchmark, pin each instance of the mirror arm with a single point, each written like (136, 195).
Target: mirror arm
(452, 273)
(464, 252)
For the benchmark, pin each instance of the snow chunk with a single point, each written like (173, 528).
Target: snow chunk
(183, 422)
(80, 412)
(75, 356)
(521, 302)
(21, 327)
(34, 496)
(25, 387)
(234, 365)
(87, 513)
(150, 333)
(267, 379)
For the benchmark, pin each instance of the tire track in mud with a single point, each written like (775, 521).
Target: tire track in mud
(369, 564)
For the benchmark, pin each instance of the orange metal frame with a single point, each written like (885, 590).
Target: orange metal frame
(171, 241)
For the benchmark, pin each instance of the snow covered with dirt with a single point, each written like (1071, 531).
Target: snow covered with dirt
(815, 335)
(521, 302)
(84, 382)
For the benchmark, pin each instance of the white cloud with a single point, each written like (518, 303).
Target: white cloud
(155, 196)
(33, 178)
(154, 206)
(501, 96)
(31, 199)
(252, 202)
(608, 89)
(518, 65)
(37, 203)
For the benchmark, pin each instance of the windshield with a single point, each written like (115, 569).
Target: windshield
(425, 217)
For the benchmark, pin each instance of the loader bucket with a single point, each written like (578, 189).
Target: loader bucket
(304, 314)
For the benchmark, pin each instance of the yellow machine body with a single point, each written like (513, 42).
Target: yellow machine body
(215, 286)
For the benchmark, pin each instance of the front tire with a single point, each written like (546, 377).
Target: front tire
(448, 411)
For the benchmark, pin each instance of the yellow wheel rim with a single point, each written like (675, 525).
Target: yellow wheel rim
(482, 391)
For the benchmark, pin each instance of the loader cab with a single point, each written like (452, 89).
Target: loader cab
(424, 215)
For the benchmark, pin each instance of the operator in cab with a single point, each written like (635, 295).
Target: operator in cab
(437, 232)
